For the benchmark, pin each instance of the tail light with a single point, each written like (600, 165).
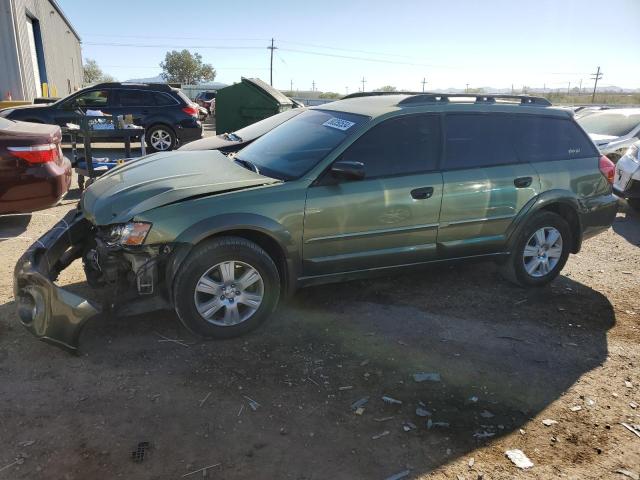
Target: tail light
(36, 154)
(191, 110)
(607, 168)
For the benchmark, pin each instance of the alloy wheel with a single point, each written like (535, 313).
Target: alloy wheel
(229, 293)
(542, 251)
(160, 139)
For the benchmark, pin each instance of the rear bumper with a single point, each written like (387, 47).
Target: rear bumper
(51, 313)
(189, 130)
(598, 215)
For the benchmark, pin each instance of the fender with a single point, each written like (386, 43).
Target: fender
(539, 202)
(209, 227)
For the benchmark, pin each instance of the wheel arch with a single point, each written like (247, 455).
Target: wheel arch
(560, 202)
(272, 237)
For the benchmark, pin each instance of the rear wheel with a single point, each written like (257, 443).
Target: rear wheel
(226, 287)
(161, 138)
(540, 251)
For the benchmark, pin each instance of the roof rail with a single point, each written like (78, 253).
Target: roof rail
(159, 86)
(377, 94)
(483, 98)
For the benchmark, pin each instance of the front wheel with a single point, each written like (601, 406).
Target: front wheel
(540, 251)
(226, 287)
(161, 139)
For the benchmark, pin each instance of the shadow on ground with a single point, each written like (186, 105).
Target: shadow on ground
(503, 354)
(627, 224)
(14, 225)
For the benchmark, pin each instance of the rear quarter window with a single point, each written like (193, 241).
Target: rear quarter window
(543, 139)
(163, 100)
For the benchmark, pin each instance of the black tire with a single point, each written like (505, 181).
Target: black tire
(161, 135)
(513, 269)
(204, 258)
(634, 203)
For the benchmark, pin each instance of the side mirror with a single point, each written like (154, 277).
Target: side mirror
(346, 170)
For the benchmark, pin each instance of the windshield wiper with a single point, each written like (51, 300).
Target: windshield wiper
(246, 164)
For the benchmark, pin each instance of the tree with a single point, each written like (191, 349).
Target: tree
(386, 88)
(93, 73)
(186, 68)
(330, 95)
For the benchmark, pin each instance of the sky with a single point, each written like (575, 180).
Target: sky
(335, 44)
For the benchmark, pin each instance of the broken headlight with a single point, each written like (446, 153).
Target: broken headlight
(127, 234)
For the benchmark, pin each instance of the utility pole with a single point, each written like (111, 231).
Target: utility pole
(595, 76)
(272, 48)
(424, 80)
(466, 90)
(512, 91)
(347, 89)
(313, 86)
(363, 82)
(291, 89)
(544, 88)
(580, 87)
(569, 89)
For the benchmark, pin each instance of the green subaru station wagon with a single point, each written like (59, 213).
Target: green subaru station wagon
(345, 190)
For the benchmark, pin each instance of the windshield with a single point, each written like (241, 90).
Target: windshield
(292, 149)
(608, 123)
(258, 129)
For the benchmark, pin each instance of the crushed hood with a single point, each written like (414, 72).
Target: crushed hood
(163, 178)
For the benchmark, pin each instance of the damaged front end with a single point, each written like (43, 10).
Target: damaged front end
(129, 278)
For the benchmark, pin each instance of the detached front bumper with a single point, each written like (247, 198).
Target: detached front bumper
(49, 312)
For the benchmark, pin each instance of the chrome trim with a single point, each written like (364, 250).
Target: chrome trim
(383, 231)
(475, 220)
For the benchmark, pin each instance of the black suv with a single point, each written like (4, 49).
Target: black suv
(167, 114)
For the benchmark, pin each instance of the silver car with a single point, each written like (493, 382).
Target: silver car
(627, 177)
(613, 131)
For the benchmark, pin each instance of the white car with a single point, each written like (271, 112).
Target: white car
(613, 131)
(627, 177)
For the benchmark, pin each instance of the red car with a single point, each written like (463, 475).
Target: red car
(34, 174)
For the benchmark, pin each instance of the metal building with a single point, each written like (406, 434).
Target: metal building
(39, 51)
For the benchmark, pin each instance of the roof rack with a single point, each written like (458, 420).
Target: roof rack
(483, 98)
(376, 94)
(159, 86)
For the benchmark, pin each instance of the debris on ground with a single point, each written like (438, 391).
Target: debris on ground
(380, 435)
(252, 403)
(359, 403)
(628, 473)
(426, 377)
(171, 340)
(138, 454)
(359, 411)
(347, 387)
(391, 401)
(203, 470)
(431, 424)
(547, 422)
(205, 399)
(364, 363)
(519, 459)
(486, 414)
(632, 428)
(422, 412)
(473, 399)
(26, 443)
(383, 419)
(481, 435)
(628, 384)
(472, 462)
(399, 475)
(19, 460)
(575, 408)
(633, 405)
(408, 426)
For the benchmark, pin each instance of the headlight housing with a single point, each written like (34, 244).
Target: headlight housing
(128, 234)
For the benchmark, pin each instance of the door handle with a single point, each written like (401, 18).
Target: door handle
(523, 182)
(422, 193)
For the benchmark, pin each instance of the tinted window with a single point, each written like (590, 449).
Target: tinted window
(293, 148)
(258, 129)
(136, 98)
(478, 141)
(163, 100)
(541, 139)
(398, 146)
(91, 99)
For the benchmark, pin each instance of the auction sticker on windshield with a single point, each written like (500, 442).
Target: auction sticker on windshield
(338, 123)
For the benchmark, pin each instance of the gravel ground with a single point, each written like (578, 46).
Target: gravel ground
(508, 358)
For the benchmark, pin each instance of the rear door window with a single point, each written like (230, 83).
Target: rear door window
(398, 146)
(136, 98)
(478, 140)
(543, 139)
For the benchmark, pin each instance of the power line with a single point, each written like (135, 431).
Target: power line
(137, 45)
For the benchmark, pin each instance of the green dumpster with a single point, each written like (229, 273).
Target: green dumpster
(247, 102)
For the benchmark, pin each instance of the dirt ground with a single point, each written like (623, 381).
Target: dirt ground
(508, 359)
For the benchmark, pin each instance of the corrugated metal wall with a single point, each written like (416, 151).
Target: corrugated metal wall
(61, 48)
(9, 61)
